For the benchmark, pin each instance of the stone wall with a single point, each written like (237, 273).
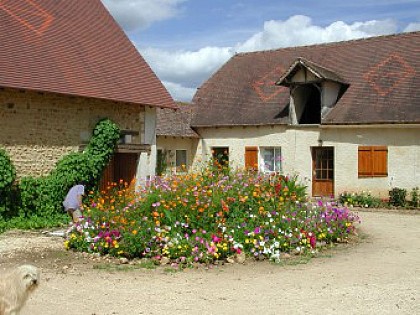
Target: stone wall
(37, 129)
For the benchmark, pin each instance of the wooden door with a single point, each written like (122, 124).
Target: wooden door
(251, 158)
(122, 166)
(322, 171)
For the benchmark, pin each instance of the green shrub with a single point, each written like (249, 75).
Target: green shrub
(7, 178)
(362, 199)
(7, 170)
(397, 197)
(414, 196)
(206, 216)
(42, 197)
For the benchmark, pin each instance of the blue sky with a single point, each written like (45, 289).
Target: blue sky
(186, 41)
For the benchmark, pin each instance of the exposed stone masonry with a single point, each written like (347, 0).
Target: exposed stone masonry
(37, 129)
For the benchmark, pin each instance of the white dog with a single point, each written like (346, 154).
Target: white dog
(15, 287)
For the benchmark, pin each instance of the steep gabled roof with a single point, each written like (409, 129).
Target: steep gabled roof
(319, 72)
(382, 73)
(73, 48)
(175, 123)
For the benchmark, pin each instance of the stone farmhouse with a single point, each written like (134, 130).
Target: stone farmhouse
(64, 65)
(343, 116)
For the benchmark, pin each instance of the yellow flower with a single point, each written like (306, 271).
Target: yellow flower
(134, 232)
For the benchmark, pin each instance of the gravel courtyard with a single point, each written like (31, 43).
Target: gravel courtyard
(379, 275)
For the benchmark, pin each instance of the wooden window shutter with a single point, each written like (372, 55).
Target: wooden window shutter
(365, 161)
(380, 161)
(251, 158)
(373, 161)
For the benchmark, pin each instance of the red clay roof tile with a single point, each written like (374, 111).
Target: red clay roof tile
(74, 48)
(381, 73)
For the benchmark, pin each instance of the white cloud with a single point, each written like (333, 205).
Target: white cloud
(179, 92)
(186, 66)
(183, 71)
(139, 14)
(412, 27)
(298, 30)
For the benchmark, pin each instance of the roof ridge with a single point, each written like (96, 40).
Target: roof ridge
(368, 38)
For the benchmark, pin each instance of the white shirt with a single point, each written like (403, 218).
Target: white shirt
(71, 201)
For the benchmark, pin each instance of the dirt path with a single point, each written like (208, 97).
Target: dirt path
(380, 275)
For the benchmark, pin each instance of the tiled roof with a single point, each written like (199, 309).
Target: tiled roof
(381, 72)
(74, 48)
(175, 123)
(320, 72)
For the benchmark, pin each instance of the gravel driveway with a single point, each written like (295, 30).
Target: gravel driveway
(380, 275)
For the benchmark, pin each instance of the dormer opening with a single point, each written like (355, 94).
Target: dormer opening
(314, 91)
(307, 104)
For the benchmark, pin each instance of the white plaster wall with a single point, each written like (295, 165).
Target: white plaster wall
(304, 75)
(147, 162)
(172, 144)
(329, 92)
(295, 142)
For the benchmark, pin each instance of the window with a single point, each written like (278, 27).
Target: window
(270, 159)
(373, 161)
(181, 160)
(221, 155)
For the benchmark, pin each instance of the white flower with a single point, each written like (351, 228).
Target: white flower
(267, 251)
(275, 257)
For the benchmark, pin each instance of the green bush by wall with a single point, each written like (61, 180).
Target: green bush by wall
(43, 196)
(7, 178)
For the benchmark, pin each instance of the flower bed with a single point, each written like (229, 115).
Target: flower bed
(209, 216)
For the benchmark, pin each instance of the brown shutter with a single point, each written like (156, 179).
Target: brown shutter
(373, 161)
(365, 161)
(380, 161)
(251, 158)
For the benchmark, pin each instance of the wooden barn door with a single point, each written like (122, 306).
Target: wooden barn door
(251, 158)
(123, 166)
(322, 171)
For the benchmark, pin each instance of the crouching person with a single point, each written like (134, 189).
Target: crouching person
(73, 202)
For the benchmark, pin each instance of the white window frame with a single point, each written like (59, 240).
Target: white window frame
(277, 167)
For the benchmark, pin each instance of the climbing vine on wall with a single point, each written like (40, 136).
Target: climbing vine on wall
(43, 196)
(7, 178)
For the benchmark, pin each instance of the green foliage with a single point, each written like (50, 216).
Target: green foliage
(42, 197)
(33, 222)
(161, 162)
(7, 170)
(397, 197)
(205, 216)
(414, 195)
(7, 178)
(362, 199)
